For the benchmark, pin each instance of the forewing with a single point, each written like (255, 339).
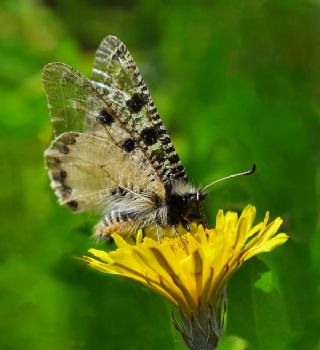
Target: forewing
(86, 170)
(118, 78)
(73, 101)
(77, 106)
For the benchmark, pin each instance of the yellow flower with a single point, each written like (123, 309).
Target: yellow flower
(192, 270)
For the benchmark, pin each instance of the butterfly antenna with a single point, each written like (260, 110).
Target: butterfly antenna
(248, 172)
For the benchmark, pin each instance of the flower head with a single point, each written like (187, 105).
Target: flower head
(192, 270)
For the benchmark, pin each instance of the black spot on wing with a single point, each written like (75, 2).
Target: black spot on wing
(149, 136)
(136, 102)
(64, 149)
(59, 175)
(72, 204)
(180, 169)
(170, 149)
(65, 191)
(63, 174)
(72, 138)
(162, 132)
(105, 117)
(174, 159)
(166, 141)
(120, 50)
(128, 145)
(52, 162)
(67, 140)
(158, 155)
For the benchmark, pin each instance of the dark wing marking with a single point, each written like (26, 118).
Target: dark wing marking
(117, 76)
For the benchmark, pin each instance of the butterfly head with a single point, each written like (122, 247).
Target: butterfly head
(195, 196)
(183, 201)
(186, 193)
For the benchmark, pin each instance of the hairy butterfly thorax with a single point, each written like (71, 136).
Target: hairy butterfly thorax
(112, 153)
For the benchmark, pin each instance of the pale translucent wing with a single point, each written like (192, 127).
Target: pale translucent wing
(117, 76)
(86, 171)
(73, 101)
(76, 105)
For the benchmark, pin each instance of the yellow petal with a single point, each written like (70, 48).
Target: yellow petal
(195, 267)
(119, 241)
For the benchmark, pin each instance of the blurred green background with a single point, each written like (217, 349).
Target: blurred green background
(236, 82)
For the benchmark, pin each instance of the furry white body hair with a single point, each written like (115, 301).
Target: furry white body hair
(130, 210)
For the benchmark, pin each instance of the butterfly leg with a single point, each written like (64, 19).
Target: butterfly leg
(158, 233)
(175, 230)
(203, 216)
(182, 242)
(185, 225)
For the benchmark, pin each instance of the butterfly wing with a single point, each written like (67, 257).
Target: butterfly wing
(118, 78)
(95, 151)
(86, 171)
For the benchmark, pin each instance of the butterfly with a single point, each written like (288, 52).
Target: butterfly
(111, 152)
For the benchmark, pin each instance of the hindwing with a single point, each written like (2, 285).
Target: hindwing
(87, 172)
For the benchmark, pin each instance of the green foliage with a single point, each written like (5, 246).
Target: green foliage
(236, 82)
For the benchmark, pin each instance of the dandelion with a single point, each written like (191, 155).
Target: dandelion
(192, 271)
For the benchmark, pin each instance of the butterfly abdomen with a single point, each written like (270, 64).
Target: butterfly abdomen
(115, 222)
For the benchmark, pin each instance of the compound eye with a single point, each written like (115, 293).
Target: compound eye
(192, 197)
(202, 196)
